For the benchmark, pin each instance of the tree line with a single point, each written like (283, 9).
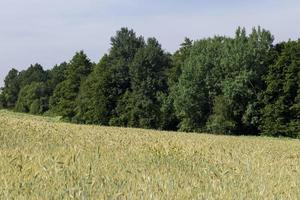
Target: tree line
(244, 84)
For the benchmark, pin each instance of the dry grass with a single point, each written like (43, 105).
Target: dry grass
(41, 158)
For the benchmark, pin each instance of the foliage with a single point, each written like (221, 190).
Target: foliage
(106, 86)
(33, 99)
(63, 101)
(169, 120)
(35, 73)
(281, 99)
(140, 106)
(2, 100)
(94, 100)
(227, 70)
(192, 94)
(11, 88)
(226, 85)
(56, 75)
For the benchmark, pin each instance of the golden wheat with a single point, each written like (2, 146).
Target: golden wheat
(42, 158)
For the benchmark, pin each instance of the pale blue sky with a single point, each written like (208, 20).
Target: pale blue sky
(51, 31)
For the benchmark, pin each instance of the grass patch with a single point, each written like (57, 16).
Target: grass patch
(42, 158)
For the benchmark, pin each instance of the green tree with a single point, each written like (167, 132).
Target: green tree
(63, 101)
(15, 81)
(281, 99)
(198, 83)
(11, 88)
(125, 45)
(178, 61)
(33, 99)
(249, 59)
(169, 120)
(93, 102)
(109, 81)
(224, 75)
(140, 107)
(35, 73)
(2, 99)
(222, 120)
(56, 75)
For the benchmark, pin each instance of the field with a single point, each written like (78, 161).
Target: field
(42, 158)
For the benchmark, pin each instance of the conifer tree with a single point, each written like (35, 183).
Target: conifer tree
(63, 101)
(281, 99)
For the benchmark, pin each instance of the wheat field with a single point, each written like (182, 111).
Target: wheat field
(42, 158)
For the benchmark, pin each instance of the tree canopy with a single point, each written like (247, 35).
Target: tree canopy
(243, 84)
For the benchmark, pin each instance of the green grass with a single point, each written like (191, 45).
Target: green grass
(42, 158)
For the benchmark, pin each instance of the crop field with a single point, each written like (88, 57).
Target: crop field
(43, 158)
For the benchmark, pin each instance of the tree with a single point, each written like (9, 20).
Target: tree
(35, 73)
(125, 45)
(168, 119)
(63, 101)
(2, 99)
(109, 81)
(15, 81)
(222, 120)
(178, 61)
(224, 72)
(33, 99)
(140, 107)
(93, 102)
(56, 75)
(281, 99)
(245, 61)
(198, 83)
(11, 88)
(229, 85)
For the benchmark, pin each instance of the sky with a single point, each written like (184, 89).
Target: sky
(49, 32)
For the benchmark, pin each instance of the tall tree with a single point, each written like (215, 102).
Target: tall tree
(11, 88)
(245, 61)
(94, 104)
(125, 45)
(178, 61)
(169, 120)
(199, 81)
(63, 101)
(109, 80)
(140, 107)
(281, 99)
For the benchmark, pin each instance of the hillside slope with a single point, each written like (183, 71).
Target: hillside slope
(42, 158)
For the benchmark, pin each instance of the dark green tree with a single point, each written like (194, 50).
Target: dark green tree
(169, 120)
(178, 61)
(63, 101)
(238, 85)
(93, 102)
(109, 81)
(56, 75)
(2, 99)
(11, 88)
(15, 81)
(33, 99)
(35, 73)
(125, 45)
(281, 99)
(140, 106)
